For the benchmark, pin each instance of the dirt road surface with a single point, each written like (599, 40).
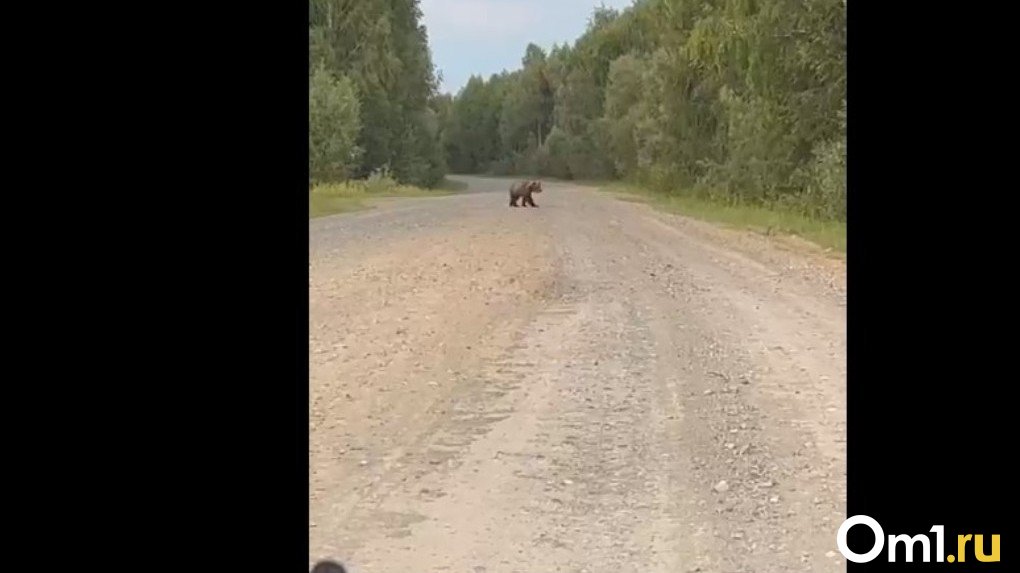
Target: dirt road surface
(586, 386)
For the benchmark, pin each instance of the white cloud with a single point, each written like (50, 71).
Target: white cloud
(487, 36)
(479, 19)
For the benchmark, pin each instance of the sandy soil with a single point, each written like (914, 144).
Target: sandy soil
(587, 386)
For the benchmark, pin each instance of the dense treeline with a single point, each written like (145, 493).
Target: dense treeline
(372, 89)
(740, 100)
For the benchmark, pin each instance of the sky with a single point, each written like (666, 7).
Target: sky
(484, 37)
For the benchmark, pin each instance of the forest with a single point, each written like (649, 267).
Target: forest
(736, 101)
(372, 86)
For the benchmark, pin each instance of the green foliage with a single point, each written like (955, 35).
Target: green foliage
(472, 131)
(736, 100)
(559, 148)
(352, 195)
(825, 195)
(382, 48)
(826, 233)
(333, 126)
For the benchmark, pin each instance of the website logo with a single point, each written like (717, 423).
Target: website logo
(969, 547)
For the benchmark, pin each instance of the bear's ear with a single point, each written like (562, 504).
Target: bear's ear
(328, 567)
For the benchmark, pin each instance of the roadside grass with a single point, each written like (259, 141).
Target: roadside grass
(355, 195)
(826, 234)
(321, 205)
(521, 177)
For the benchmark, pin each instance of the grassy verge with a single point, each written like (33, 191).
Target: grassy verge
(827, 234)
(523, 176)
(332, 198)
(321, 205)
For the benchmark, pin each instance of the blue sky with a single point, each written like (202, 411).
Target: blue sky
(484, 37)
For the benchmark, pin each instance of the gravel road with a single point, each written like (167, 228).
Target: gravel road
(587, 386)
